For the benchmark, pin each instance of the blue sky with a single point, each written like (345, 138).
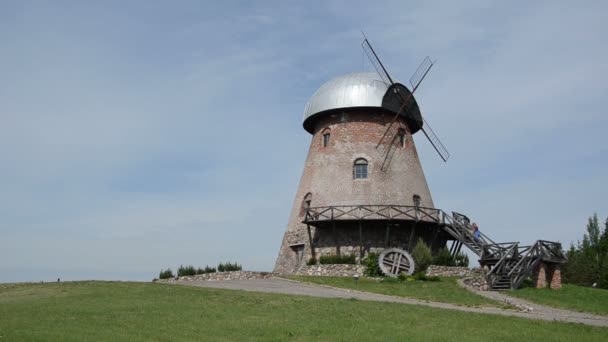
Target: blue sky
(140, 135)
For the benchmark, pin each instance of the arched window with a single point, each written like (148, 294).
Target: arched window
(360, 168)
(326, 136)
(305, 203)
(416, 199)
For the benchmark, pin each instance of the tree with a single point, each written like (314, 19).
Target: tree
(422, 256)
(588, 259)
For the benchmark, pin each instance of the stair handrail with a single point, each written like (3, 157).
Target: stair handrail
(493, 274)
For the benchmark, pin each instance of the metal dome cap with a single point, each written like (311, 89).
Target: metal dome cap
(355, 90)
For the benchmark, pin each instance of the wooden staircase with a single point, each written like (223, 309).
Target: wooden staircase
(509, 263)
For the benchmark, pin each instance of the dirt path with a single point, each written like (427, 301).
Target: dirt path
(291, 287)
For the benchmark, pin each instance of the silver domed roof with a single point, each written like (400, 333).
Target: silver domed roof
(358, 89)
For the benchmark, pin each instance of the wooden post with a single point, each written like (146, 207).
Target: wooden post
(434, 237)
(388, 232)
(360, 242)
(312, 247)
(411, 243)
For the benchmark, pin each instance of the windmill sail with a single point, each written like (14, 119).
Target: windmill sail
(420, 73)
(441, 150)
(373, 58)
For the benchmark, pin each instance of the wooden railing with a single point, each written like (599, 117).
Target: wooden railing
(506, 258)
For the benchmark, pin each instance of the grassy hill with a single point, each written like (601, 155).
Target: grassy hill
(77, 311)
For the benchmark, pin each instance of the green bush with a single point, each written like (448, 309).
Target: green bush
(228, 267)
(371, 262)
(405, 277)
(186, 271)
(311, 262)
(166, 274)
(461, 259)
(422, 256)
(444, 258)
(337, 259)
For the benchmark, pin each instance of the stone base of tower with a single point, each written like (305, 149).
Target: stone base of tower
(352, 238)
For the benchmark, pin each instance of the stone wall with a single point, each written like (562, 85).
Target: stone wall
(448, 271)
(344, 270)
(234, 275)
(475, 278)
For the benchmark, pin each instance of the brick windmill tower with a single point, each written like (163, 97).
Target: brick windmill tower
(362, 169)
(363, 188)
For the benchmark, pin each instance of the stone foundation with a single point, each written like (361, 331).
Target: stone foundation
(342, 270)
(235, 275)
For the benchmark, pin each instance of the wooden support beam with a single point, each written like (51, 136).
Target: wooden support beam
(387, 234)
(411, 243)
(360, 241)
(312, 247)
(437, 229)
(335, 236)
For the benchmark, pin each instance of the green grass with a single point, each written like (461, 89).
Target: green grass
(571, 297)
(114, 311)
(446, 290)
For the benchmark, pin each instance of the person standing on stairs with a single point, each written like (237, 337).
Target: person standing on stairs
(476, 232)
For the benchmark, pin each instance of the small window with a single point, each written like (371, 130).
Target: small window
(401, 137)
(360, 169)
(416, 199)
(325, 139)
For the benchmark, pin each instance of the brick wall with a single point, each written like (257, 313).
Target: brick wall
(328, 176)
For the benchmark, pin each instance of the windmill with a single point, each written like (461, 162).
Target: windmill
(400, 100)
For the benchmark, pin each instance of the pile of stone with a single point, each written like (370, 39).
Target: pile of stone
(333, 270)
(234, 275)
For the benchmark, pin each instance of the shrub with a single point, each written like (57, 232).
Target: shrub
(186, 271)
(461, 259)
(443, 258)
(337, 259)
(422, 256)
(405, 277)
(311, 262)
(205, 270)
(228, 267)
(371, 262)
(166, 274)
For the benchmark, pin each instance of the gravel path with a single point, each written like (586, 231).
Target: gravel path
(291, 287)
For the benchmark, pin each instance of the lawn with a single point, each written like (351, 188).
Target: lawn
(146, 311)
(571, 297)
(446, 290)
